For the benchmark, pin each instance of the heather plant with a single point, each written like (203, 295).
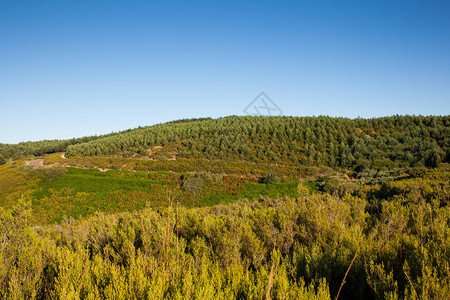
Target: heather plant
(312, 246)
(48, 174)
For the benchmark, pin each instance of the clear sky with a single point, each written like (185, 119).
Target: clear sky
(77, 68)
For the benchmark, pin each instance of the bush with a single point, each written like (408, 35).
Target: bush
(277, 248)
(48, 174)
(331, 185)
(128, 154)
(193, 185)
(271, 178)
(143, 152)
(2, 160)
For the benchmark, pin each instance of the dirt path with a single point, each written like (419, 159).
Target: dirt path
(35, 163)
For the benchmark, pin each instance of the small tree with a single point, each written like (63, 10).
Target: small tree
(193, 185)
(329, 184)
(143, 152)
(269, 179)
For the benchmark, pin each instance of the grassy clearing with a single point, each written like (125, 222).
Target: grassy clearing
(82, 192)
(102, 183)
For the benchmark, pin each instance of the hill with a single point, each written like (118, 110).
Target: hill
(231, 208)
(334, 142)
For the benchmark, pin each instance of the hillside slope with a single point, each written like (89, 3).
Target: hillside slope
(389, 142)
(335, 142)
(232, 208)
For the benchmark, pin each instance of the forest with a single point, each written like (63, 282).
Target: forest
(335, 142)
(231, 208)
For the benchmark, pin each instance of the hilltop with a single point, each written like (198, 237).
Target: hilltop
(231, 208)
(356, 144)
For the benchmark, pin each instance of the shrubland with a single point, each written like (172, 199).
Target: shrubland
(281, 248)
(231, 208)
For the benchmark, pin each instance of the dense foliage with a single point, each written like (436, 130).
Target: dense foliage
(232, 208)
(25, 149)
(335, 142)
(282, 248)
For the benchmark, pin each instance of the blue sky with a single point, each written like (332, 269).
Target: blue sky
(77, 68)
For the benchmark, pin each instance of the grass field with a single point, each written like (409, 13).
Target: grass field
(102, 183)
(82, 192)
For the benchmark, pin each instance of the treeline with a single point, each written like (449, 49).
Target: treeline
(358, 144)
(25, 149)
(15, 151)
(393, 240)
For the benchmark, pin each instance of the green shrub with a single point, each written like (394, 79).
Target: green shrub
(271, 178)
(278, 248)
(193, 185)
(48, 174)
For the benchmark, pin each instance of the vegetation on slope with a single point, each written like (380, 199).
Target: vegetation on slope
(334, 142)
(283, 248)
(26, 149)
(14, 183)
(155, 212)
(56, 192)
(389, 142)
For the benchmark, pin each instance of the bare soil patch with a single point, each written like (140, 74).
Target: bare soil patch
(35, 163)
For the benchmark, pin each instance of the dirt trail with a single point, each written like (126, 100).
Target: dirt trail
(35, 163)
